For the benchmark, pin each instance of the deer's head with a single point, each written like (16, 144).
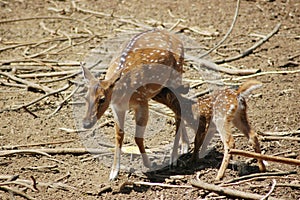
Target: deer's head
(97, 99)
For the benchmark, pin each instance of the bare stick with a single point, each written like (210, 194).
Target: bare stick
(42, 52)
(297, 186)
(252, 48)
(250, 76)
(264, 73)
(27, 83)
(41, 167)
(271, 190)
(49, 74)
(63, 102)
(13, 84)
(14, 191)
(250, 176)
(288, 161)
(228, 32)
(72, 75)
(155, 184)
(41, 17)
(38, 43)
(18, 183)
(35, 144)
(226, 191)
(25, 151)
(252, 179)
(101, 14)
(284, 133)
(47, 152)
(215, 67)
(267, 138)
(38, 99)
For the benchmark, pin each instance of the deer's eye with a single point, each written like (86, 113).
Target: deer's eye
(102, 100)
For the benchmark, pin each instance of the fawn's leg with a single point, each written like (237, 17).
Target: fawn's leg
(224, 128)
(141, 119)
(119, 136)
(209, 135)
(199, 138)
(241, 122)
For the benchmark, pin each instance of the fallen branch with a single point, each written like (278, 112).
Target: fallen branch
(38, 99)
(14, 191)
(267, 138)
(11, 147)
(284, 133)
(159, 184)
(288, 161)
(47, 152)
(250, 180)
(250, 176)
(49, 74)
(41, 17)
(27, 83)
(263, 73)
(296, 186)
(72, 75)
(227, 34)
(210, 65)
(63, 102)
(149, 184)
(271, 190)
(41, 53)
(25, 151)
(252, 48)
(226, 191)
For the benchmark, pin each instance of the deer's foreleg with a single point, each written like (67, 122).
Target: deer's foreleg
(119, 136)
(141, 119)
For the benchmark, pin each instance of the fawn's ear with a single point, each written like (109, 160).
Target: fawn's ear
(88, 76)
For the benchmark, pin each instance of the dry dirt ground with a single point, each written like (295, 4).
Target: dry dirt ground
(53, 36)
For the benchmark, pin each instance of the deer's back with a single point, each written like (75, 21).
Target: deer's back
(158, 48)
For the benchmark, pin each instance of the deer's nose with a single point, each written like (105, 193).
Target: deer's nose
(88, 123)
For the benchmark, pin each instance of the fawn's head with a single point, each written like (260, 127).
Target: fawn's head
(97, 99)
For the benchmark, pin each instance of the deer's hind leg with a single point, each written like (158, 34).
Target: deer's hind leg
(224, 128)
(241, 122)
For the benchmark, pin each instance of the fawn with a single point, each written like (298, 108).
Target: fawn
(216, 113)
(151, 61)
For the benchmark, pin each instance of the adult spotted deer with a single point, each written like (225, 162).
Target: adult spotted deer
(216, 112)
(151, 61)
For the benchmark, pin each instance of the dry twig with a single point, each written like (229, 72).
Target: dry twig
(251, 176)
(27, 83)
(226, 191)
(252, 48)
(15, 191)
(271, 190)
(4, 153)
(38, 99)
(288, 161)
(47, 152)
(210, 65)
(267, 138)
(227, 34)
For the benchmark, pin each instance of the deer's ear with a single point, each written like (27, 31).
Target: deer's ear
(88, 76)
